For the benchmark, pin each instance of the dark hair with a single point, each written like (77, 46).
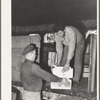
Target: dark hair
(58, 27)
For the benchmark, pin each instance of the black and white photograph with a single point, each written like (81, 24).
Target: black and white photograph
(53, 52)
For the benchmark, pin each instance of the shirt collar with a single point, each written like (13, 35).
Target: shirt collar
(29, 61)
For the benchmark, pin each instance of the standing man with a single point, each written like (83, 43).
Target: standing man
(31, 75)
(69, 43)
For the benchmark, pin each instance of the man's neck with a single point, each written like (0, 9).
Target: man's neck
(29, 60)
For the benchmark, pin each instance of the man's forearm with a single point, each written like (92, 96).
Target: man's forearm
(59, 49)
(59, 57)
(68, 61)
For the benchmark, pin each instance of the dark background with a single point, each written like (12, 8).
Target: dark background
(36, 12)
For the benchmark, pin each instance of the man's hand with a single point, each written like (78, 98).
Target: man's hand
(65, 82)
(56, 64)
(66, 68)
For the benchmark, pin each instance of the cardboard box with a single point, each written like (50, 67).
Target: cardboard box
(56, 85)
(58, 72)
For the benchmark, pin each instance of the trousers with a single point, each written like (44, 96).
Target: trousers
(78, 58)
(28, 95)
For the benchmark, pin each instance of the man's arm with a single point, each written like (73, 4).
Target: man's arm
(59, 48)
(72, 42)
(39, 72)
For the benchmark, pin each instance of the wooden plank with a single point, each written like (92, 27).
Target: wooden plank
(92, 76)
(26, 30)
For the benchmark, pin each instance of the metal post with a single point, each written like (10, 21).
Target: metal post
(92, 65)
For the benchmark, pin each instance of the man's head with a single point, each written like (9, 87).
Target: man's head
(30, 52)
(59, 29)
(60, 33)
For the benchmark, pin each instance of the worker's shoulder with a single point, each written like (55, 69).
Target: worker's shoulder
(73, 30)
(70, 28)
(35, 65)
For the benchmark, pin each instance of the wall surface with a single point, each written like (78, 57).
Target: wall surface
(18, 45)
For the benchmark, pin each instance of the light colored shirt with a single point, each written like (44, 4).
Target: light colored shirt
(71, 38)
